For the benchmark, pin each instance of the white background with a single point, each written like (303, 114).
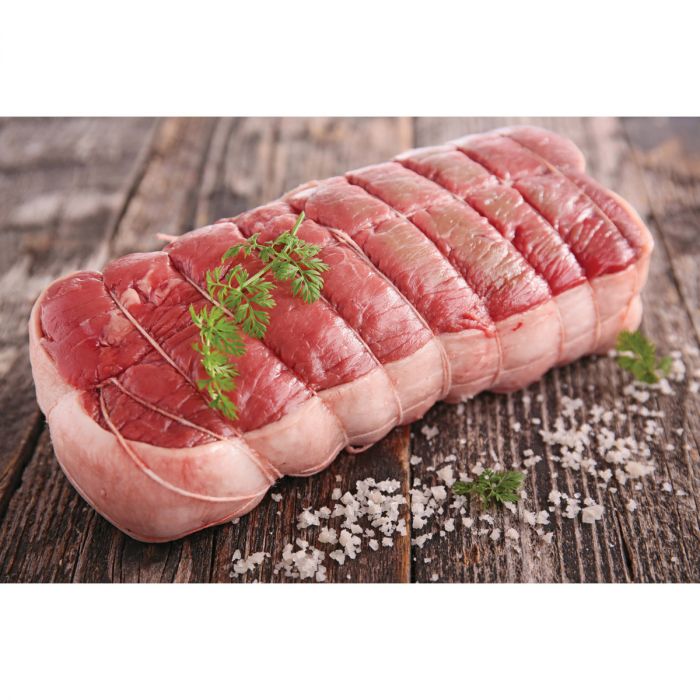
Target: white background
(348, 58)
(364, 57)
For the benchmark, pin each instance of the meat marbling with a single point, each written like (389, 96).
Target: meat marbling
(475, 265)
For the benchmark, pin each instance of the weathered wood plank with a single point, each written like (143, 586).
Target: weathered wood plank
(254, 161)
(74, 192)
(62, 183)
(656, 543)
(158, 196)
(176, 179)
(665, 534)
(668, 153)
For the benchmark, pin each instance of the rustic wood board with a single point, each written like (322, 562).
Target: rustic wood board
(75, 192)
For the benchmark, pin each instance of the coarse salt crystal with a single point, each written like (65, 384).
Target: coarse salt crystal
(438, 492)
(307, 519)
(430, 431)
(421, 540)
(328, 535)
(447, 475)
(338, 555)
(592, 513)
(637, 469)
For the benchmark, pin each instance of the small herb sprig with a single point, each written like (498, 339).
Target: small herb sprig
(241, 303)
(492, 488)
(638, 356)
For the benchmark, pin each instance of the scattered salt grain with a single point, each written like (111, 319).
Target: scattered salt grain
(554, 497)
(430, 431)
(542, 518)
(637, 469)
(421, 540)
(439, 493)
(338, 555)
(447, 475)
(307, 519)
(592, 513)
(328, 535)
(250, 563)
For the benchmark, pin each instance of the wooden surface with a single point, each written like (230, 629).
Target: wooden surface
(75, 192)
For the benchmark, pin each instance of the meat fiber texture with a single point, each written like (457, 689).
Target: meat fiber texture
(475, 265)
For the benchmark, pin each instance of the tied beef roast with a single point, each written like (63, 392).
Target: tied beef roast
(475, 265)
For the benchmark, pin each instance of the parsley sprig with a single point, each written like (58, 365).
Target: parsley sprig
(241, 302)
(492, 488)
(638, 356)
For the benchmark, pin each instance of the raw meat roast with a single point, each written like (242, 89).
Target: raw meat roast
(475, 265)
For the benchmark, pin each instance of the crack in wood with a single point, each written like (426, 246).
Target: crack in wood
(13, 477)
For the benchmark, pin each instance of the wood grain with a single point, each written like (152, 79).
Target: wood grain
(63, 184)
(75, 192)
(253, 162)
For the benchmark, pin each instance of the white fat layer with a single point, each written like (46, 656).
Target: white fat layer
(418, 380)
(530, 345)
(304, 441)
(614, 294)
(366, 407)
(577, 310)
(474, 359)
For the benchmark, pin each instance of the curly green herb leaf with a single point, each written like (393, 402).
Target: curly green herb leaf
(638, 356)
(241, 300)
(492, 488)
